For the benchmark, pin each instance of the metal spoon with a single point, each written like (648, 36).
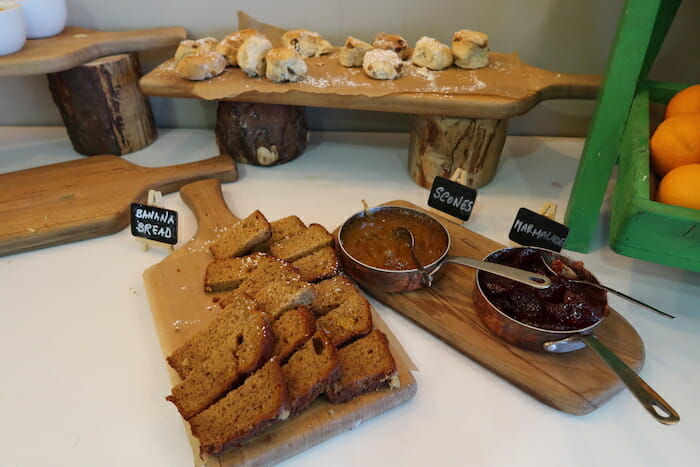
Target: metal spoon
(569, 274)
(524, 277)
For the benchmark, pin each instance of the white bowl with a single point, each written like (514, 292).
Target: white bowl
(13, 33)
(44, 18)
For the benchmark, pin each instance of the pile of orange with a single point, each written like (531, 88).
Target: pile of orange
(675, 150)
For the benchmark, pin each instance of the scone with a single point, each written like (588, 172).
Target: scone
(382, 64)
(201, 65)
(189, 46)
(229, 45)
(431, 53)
(284, 65)
(307, 43)
(392, 42)
(353, 51)
(470, 49)
(251, 55)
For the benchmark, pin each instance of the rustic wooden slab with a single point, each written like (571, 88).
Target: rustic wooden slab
(180, 308)
(75, 46)
(575, 383)
(86, 198)
(506, 88)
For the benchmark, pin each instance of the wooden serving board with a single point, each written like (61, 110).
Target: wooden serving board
(180, 308)
(86, 198)
(75, 46)
(576, 383)
(507, 87)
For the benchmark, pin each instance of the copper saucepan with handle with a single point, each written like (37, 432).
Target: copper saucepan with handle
(379, 223)
(542, 339)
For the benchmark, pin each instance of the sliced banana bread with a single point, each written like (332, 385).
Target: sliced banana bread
(242, 236)
(366, 365)
(291, 330)
(282, 228)
(345, 323)
(319, 265)
(243, 412)
(310, 371)
(229, 273)
(332, 292)
(241, 351)
(303, 243)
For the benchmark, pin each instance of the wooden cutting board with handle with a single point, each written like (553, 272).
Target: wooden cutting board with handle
(180, 308)
(86, 198)
(75, 46)
(576, 383)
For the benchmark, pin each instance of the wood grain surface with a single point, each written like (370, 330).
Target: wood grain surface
(180, 308)
(75, 46)
(86, 198)
(503, 90)
(576, 383)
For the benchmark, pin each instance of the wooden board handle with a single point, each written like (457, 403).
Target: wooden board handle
(205, 199)
(571, 86)
(171, 178)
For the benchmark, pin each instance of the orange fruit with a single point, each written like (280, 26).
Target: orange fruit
(681, 187)
(686, 101)
(675, 142)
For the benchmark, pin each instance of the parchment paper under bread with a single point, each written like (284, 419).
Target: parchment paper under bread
(505, 76)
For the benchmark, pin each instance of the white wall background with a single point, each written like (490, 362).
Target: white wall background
(572, 36)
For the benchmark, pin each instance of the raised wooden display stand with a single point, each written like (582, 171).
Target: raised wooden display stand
(95, 90)
(460, 117)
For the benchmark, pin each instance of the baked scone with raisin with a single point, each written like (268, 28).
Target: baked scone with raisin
(432, 54)
(190, 46)
(251, 55)
(284, 65)
(392, 42)
(229, 45)
(382, 64)
(201, 65)
(470, 49)
(353, 51)
(307, 43)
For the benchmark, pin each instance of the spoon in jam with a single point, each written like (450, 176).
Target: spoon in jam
(558, 266)
(525, 277)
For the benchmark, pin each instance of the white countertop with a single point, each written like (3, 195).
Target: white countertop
(84, 380)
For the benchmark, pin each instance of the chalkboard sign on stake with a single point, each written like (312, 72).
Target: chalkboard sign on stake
(152, 223)
(452, 198)
(533, 229)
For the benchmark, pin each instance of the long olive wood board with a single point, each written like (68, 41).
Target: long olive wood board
(86, 198)
(180, 308)
(575, 383)
(75, 46)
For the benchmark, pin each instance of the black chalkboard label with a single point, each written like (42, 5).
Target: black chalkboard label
(532, 229)
(452, 198)
(154, 223)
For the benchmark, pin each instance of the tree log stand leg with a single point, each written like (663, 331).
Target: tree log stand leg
(260, 134)
(103, 107)
(441, 145)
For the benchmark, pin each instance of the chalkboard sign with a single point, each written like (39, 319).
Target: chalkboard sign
(532, 229)
(154, 223)
(452, 198)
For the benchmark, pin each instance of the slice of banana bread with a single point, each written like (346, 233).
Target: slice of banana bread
(242, 236)
(291, 330)
(303, 243)
(282, 228)
(226, 274)
(243, 412)
(366, 365)
(345, 323)
(242, 350)
(310, 371)
(319, 265)
(332, 292)
(233, 319)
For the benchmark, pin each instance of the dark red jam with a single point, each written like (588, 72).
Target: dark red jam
(565, 306)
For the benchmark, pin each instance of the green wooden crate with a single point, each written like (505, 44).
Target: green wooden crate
(640, 227)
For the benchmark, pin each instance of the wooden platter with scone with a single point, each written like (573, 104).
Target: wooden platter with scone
(270, 350)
